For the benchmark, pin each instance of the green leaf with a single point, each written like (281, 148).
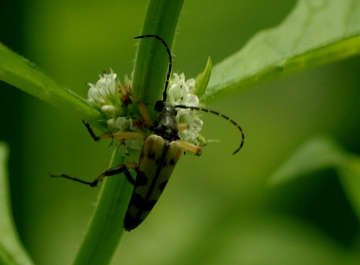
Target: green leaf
(321, 153)
(350, 177)
(314, 33)
(19, 72)
(202, 79)
(12, 252)
(315, 154)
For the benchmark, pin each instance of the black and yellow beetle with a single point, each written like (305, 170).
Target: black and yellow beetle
(159, 155)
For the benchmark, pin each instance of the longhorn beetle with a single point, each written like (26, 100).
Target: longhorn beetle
(159, 155)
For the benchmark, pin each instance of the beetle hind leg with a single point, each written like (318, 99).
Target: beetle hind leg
(107, 173)
(114, 171)
(70, 178)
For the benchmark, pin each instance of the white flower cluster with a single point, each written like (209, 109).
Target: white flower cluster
(181, 92)
(106, 95)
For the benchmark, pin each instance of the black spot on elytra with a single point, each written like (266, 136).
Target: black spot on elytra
(129, 177)
(151, 155)
(141, 179)
(164, 164)
(142, 204)
(162, 186)
(172, 162)
(131, 223)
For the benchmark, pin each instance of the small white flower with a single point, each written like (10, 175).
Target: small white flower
(109, 97)
(105, 92)
(181, 92)
(108, 110)
(105, 96)
(123, 124)
(111, 124)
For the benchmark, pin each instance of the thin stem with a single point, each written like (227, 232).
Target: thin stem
(152, 59)
(151, 64)
(106, 229)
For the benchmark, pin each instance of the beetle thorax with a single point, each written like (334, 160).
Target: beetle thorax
(165, 124)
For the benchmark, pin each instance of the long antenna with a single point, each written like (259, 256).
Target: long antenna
(221, 115)
(170, 60)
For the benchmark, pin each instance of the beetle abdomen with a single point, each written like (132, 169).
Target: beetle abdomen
(157, 161)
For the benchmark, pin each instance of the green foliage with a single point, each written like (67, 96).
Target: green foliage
(316, 154)
(314, 33)
(319, 154)
(11, 249)
(202, 79)
(23, 74)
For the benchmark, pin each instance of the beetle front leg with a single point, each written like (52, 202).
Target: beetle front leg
(91, 132)
(196, 149)
(188, 146)
(183, 127)
(123, 135)
(117, 135)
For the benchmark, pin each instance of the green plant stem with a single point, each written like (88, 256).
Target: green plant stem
(152, 60)
(106, 226)
(12, 252)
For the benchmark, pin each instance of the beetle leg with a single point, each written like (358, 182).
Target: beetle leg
(123, 135)
(118, 135)
(142, 109)
(107, 173)
(114, 171)
(91, 132)
(188, 146)
(196, 149)
(183, 126)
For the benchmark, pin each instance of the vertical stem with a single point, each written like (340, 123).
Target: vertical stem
(106, 226)
(151, 59)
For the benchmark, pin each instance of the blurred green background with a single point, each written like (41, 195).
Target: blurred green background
(217, 208)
